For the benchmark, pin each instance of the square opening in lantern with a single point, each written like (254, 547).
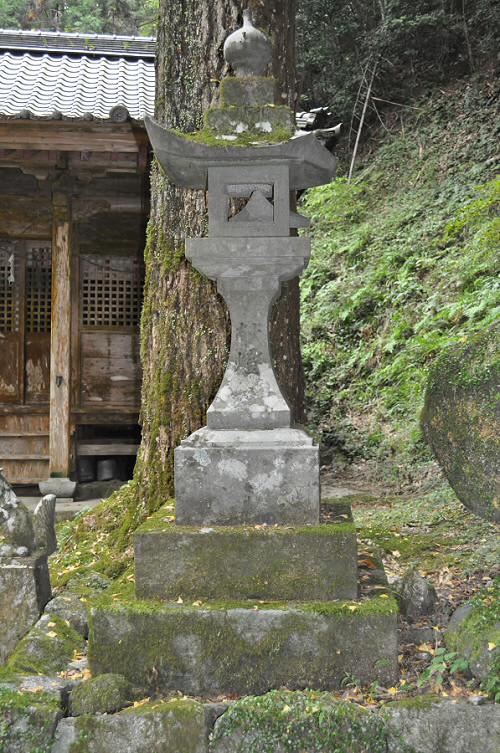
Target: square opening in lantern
(262, 201)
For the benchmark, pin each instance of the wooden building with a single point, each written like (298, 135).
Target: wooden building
(73, 209)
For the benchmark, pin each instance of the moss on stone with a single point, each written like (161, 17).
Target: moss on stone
(251, 90)
(46, 649)
(241, 647)
(103, 694)
(420, 702)
(477, 638)
(246, 139)
(293, 722)
(27, 721)
(460, 420)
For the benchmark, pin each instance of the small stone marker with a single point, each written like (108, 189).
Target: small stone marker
(24, 574)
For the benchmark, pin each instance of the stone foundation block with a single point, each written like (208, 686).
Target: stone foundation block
(247, 477)
(295, 563)
(244, 648)
(238, 119)
(251, 90)
(24, 592)
(176, 726)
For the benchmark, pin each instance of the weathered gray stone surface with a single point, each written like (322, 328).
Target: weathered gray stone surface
(248, 50)
(445, 726)
(24, 592)
(475, 639)
(68, 606)
(259, 118)
(206, 651)
(178, 726)
(103, 694)
(27, 720)
(248, 273)
(232, 478)
(418, 596)
(46, 649)
(254, 90)
(301, 564)
(461, 421)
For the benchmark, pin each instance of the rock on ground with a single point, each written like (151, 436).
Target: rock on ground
(445, 726)
(100, 695)
(68, 606)
(461, 421)
(177, 726)
(417, 596)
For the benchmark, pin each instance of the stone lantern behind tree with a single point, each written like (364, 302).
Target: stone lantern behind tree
(247, 488)
(248, 465)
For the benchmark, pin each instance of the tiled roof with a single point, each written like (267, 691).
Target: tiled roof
(109, 44)
(81, 83)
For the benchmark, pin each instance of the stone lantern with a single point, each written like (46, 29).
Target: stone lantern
(249, 464)
(246, 590)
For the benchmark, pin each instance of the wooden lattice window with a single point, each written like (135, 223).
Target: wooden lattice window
(111, 291)
(38, 289)
(9, 287)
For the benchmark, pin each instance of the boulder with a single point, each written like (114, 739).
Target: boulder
(417, 596)
(46, 649)
(179, 725)
(461, 421)
(474, 633)
(312, 722)
(100, 695)
(24, 591)
(69, 607)
(431, 725)
(27, 720)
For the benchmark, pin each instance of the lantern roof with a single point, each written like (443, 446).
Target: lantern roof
(187, 162)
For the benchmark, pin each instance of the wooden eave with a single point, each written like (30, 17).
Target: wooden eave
(71, 136)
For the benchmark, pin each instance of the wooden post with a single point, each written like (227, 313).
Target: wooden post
(60, 341)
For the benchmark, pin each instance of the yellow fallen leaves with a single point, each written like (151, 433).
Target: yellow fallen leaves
(491, 646)
(143, 702)
(51, 634)
(392, 691)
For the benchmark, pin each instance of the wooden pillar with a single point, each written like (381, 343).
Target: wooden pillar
(60, 341)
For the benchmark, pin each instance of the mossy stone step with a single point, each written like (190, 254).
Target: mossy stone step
(242, 648)
(246, 562)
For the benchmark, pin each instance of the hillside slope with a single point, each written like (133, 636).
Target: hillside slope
(406, 260)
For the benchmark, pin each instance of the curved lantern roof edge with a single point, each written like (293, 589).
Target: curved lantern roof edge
(186, 162)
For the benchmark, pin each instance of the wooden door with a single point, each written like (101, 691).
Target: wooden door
(38, 286)
(110, 307)
(25, 313)
(11, 321)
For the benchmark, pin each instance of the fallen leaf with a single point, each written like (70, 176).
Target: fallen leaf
(392, 691)
(51, 634)
(491, 646)
(180, 600)
(141, 703)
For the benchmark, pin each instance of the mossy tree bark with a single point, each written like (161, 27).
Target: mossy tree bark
(185, 325)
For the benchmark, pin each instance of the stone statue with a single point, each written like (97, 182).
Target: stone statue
(24, 532)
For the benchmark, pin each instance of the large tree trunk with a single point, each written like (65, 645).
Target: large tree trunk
(185, 325)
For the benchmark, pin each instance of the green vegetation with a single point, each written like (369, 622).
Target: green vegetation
(303, 721)
(100, 695)
(27, 720)
(411, 45)
(46, 649)
(405, 262)
(87, 16)
(431, 532)
(477, 639)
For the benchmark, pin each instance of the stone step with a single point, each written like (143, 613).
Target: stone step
(241, 648)
(313, 563)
